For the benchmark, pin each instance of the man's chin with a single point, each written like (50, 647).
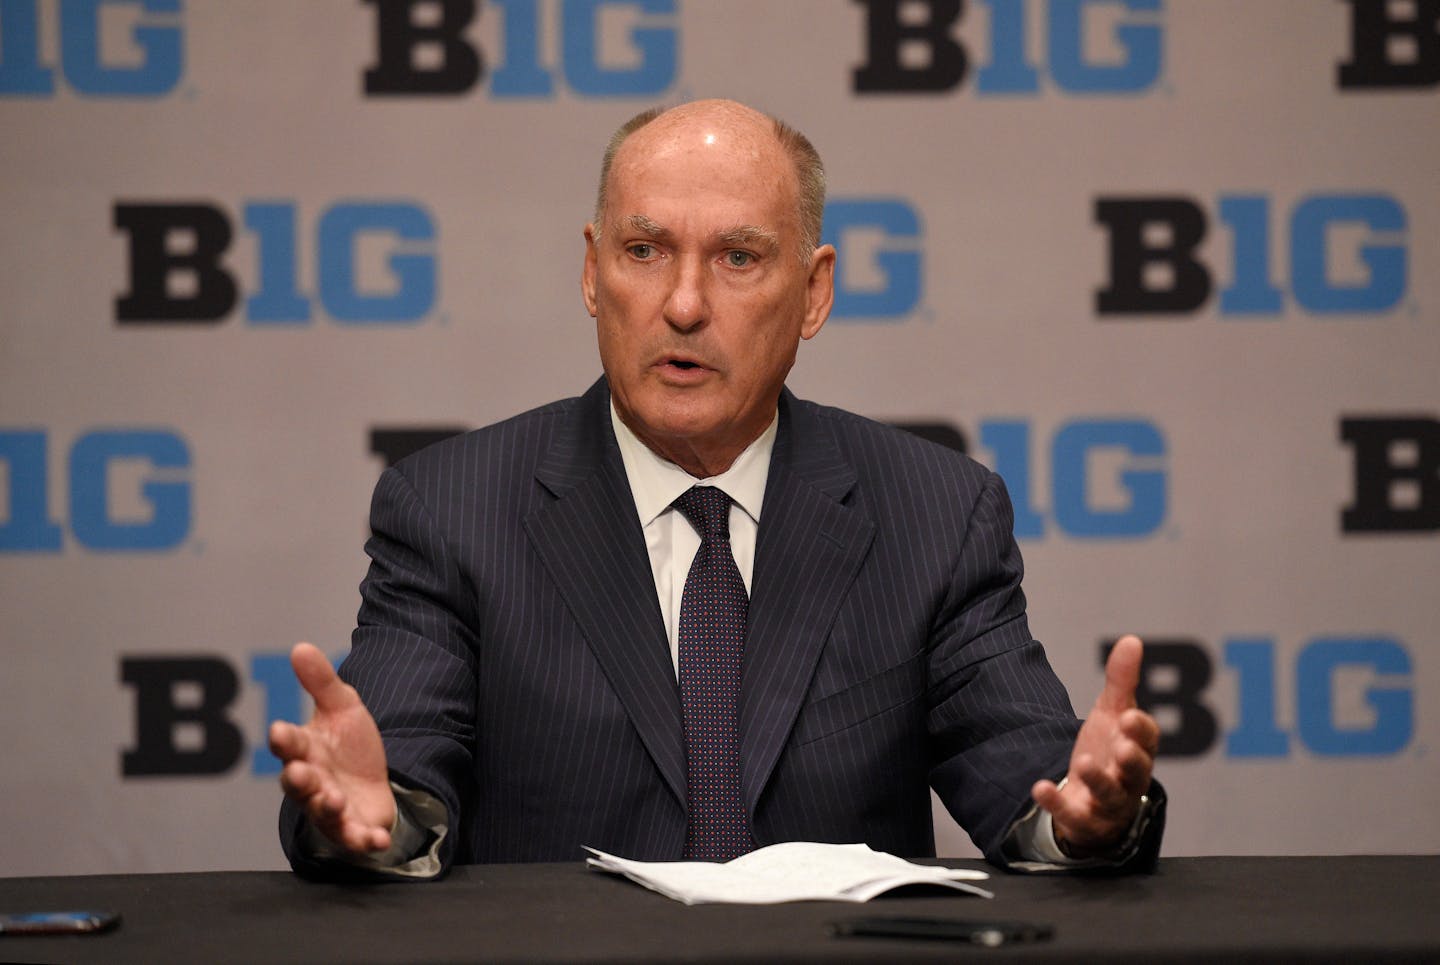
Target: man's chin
(683, 429)
(680, 428)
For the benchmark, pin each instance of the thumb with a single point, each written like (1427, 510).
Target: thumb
(313, 670)
(1122, 674)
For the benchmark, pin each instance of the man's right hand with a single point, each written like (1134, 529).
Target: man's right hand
(335, 765)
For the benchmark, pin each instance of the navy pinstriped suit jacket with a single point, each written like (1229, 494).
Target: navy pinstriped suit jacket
(512, 651)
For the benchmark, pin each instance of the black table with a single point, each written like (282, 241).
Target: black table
(1333, 909)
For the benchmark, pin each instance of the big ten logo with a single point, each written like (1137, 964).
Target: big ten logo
(1346, 254)
(602, 48)
(1397, 474)
(128, 490)
(1108, 476)
(1090, 47)
(107, 48)
(1392, 45)
(374, 262)
(185, 713)
(879, 261)
(1351, 696)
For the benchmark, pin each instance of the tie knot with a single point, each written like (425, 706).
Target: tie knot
(708, 510)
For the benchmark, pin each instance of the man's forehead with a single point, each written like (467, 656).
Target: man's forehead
(742, 174)
(742, 157)
(706, 170)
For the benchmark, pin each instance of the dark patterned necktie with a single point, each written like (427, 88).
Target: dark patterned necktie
(713, 612)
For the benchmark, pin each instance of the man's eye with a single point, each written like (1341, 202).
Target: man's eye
(738, 259)
(643, 252)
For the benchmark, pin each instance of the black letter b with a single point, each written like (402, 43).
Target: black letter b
(159, 717)
(1131, 252)
(886, 37)
(153, 265)
(400, 38)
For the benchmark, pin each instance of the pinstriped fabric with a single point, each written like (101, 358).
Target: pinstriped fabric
(928, 673)
(511, 647)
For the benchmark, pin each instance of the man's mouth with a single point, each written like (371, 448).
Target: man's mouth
(680, 370)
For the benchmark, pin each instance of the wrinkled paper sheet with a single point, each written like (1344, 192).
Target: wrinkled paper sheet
(792, 871)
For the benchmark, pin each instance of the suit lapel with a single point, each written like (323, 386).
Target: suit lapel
(808, 552)
(591, 542)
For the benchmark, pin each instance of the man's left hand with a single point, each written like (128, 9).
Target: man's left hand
(1110, 765)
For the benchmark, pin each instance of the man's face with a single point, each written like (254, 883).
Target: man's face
(696, 282)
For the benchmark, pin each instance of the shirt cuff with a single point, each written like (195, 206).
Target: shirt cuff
(1031, 844)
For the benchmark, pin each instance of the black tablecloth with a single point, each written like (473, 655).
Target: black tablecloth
(1336, 909)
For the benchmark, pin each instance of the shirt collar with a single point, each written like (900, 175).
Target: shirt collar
(656, 482)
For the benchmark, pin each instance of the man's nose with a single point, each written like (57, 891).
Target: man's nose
(687, 305)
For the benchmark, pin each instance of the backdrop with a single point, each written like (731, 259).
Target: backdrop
(1169, 267)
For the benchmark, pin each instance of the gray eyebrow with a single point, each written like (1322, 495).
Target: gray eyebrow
(647, 225)
(750, 236)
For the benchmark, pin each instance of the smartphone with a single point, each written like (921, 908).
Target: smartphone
(57, 922)
(976, 932)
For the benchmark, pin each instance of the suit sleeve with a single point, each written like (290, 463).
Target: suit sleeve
(412, 661)
(999, 718)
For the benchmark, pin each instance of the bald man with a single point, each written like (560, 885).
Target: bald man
(556, 648)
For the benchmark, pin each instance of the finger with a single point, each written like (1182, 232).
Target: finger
(1105, 789)
(313, 670)
(321, 801)
(325, 808)
(325, 812)
(1046, 794)
(352, 835)
(289, 742)
(1065, 811)
(1141, 728)
(368, 839)
(300, 782)
(1134, 766)
(1122, 674)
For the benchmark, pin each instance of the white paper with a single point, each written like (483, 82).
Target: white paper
(792, 871)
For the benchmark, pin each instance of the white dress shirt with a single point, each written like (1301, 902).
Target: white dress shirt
(670, 539)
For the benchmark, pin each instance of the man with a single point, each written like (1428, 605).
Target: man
(512, 693)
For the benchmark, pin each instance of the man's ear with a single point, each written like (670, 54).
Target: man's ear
(820, 292)
(587, 274)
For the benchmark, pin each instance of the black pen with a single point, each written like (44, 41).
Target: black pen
(974, 931)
